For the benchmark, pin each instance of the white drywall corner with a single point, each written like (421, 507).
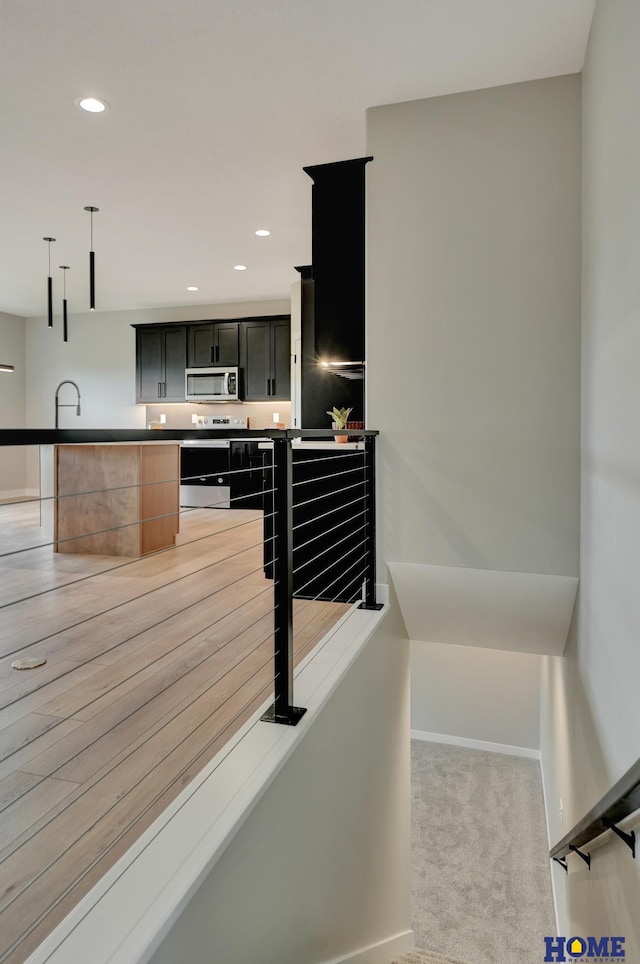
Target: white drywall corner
(522, 612)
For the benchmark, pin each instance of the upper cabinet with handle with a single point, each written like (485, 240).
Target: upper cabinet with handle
(161, 359)
(265, 357)
(213, 343)
(261, 347)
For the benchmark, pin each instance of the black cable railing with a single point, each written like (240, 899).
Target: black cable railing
(208, 628)
(622, 800)
(334, 563)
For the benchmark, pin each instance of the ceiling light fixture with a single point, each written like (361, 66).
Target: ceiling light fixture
(92, 104)
(49, 288)
(263, 233)
(64, 268)
(239, 267)
(92, 264)
(192, 288)
(7, 368)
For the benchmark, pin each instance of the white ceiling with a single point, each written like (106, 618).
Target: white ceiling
(216, 105)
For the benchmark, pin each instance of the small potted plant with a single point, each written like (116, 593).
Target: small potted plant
(340, 417)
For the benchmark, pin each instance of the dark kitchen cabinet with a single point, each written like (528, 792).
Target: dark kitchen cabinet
(338, 256)
(215, 343)
(161, 359)
(333, 293)
(247, 475)
(265, 358)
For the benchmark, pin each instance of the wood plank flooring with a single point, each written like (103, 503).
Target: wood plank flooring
(152, 664)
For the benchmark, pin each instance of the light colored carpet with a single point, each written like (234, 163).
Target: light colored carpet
(481, 880)
(424, 957)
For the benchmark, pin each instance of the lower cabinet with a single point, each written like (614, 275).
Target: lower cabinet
(248, 478)
(131, 503)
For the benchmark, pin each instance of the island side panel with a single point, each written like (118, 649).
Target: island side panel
(105, 518)
(160, 496)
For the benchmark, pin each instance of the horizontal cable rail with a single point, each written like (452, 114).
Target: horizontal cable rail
(619, 802)
(148, 663)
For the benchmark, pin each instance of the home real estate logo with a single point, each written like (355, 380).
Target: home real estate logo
(595, 950)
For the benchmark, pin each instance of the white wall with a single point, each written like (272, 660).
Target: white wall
(473, 349)
(321, 866)
(100, 357)
(12, 402)
(473, 326)
(476, 694)
(591, 709)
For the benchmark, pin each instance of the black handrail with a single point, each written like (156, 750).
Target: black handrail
(619, 802)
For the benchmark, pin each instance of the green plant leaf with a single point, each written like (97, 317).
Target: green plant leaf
(340, 416)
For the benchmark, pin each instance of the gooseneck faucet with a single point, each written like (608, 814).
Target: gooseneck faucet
(76, 405)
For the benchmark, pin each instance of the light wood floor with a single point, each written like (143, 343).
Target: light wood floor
(151, 666)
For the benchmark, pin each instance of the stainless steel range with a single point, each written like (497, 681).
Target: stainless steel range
(204, 465)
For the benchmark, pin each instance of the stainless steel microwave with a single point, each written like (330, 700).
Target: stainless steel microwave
(212, 385)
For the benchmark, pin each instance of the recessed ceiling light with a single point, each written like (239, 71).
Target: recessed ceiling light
(192, 288)
(240, 267)
(263, 233)
(93, 104)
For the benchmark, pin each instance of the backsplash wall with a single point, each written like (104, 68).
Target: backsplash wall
(260, 414)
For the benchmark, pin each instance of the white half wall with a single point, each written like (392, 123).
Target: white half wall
(12, 402)
(480, 695)
(473, 326)
(591, 709)
(321, 869)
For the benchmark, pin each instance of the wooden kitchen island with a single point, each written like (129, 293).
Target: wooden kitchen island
(116, 499)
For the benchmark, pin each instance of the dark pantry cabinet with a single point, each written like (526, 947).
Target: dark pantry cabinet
(265, 357)
(213, 343)
(161, 359)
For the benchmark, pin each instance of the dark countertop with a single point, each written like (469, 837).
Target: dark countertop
(70, 436)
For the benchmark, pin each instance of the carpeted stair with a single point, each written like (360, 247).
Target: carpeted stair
(424, 957)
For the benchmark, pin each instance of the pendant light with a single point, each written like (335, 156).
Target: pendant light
(64, 268)
(49, 287)
(92, 264)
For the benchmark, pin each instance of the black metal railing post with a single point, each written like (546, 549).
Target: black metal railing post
(283, 710)
(370, 531)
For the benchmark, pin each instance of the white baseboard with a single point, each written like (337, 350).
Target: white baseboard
(476, 744)
(554, 895)
(381, 953)
(19, 493)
